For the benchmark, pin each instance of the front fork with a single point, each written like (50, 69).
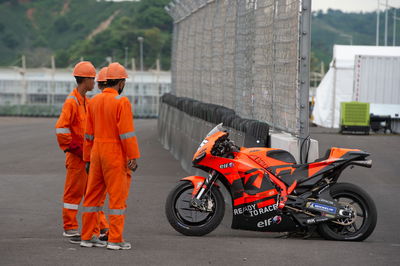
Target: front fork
(198, 201)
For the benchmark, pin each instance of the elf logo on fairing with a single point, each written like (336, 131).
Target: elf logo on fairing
(226, 165)
(321, 207)
(267, 222)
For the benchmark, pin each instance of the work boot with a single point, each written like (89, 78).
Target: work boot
(75, 240)
(104, 234)
(94, 242)
(118, 246)
(71, 233)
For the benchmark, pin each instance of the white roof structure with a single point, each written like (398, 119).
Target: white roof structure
(337, 85)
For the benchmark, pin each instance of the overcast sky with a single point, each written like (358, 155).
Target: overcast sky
(352, 5)
(345, 5)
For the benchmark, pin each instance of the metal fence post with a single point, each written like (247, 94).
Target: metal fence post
(304, 71)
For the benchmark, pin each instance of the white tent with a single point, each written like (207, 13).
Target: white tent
(337, 85)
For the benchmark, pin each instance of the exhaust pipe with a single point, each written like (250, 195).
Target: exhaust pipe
(367, 163)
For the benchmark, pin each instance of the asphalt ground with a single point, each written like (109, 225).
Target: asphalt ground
(32, 175)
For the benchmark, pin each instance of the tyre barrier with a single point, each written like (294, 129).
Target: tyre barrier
(184, 122)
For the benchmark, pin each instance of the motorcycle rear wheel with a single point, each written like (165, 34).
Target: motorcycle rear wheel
(188, 220)
(366, 214)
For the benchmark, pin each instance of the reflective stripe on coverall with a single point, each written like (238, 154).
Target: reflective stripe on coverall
(70, 129)
(110, 141)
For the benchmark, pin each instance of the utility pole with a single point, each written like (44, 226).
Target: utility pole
(377, 24)
(24, 83)
(141, 39)
(126, 56)
(394, 27)
(386, 22)
(53, 84)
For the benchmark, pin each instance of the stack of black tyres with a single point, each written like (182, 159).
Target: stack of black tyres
(256, 132)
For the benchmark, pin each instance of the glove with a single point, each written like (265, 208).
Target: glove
(87, 167)
(75, 148)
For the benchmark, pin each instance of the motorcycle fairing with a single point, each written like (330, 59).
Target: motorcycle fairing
(304, 173)
(255, 204)
(250, 187)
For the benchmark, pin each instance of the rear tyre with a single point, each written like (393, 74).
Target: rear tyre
(188, 220)
(364, 221)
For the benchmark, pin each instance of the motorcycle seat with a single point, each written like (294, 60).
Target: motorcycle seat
(282, 155)
(325, 157)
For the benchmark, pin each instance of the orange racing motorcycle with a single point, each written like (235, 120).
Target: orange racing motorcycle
(271, 192)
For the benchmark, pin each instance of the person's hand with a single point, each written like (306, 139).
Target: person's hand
(132, 165)
(76, 149)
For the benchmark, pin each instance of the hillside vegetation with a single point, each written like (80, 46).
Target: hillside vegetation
(94, 30)
(336, 27)
(91, 29)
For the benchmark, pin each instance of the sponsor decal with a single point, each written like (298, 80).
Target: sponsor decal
(326, 201)
(252, 211)
(311, 221)
(277, 219)
(226, 165)
(247, 208)
(316, 220)
(321, 207)
(267, 222)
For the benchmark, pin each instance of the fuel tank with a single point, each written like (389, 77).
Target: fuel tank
(267, 157)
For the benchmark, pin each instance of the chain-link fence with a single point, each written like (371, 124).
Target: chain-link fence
(41, 92)
(246, 55)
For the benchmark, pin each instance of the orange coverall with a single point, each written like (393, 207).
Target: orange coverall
(69, 130)
(110, 141)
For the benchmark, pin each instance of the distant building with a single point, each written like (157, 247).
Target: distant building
(45, 87)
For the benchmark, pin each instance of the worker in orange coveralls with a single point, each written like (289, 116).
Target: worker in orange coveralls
(103, 226)
(69, 130)
(111, 148)
(101, 84)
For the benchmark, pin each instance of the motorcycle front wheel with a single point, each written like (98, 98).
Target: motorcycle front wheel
(188, 220)
(363, 222)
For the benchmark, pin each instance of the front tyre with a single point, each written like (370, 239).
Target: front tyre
(188, 220)
(364, 221)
